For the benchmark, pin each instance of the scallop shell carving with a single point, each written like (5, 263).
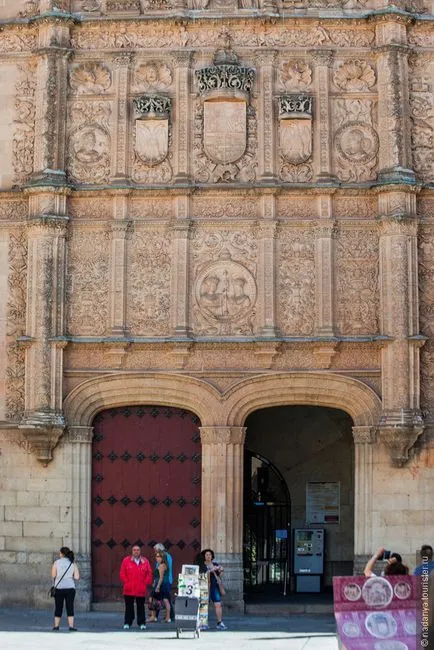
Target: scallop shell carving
(90, 78)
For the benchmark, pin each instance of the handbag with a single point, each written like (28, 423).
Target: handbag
(53, 589)
(222, 590)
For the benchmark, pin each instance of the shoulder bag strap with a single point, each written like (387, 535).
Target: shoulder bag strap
(64, 574)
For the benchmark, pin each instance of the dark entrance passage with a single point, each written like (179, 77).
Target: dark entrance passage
(267, 527)
(146, 469)
(299, 474)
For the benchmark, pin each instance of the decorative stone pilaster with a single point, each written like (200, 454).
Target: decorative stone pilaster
(120, 149)
(364, 439)
(117, 325)
(181, 117)
(266, 275)
(401, 423)
(43, 422)
(179, 270)
(50, 100)
(78, 442)
(394, 125)
(324, 260)
(266, 135)
(323, 60)
(222, 501)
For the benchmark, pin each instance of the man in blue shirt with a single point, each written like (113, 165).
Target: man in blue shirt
(426, 553)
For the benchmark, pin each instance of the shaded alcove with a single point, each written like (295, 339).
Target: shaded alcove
(302, 444)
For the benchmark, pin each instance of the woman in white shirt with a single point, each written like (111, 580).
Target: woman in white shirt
(64, 573)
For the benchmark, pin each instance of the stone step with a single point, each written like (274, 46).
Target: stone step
(287, 609)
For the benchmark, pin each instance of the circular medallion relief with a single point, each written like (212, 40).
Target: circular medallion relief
(402, 590)
(89, 144)
(382, 625)
(225, 290)
(357, 142)
(352, 591)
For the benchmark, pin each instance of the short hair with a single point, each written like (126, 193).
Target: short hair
(426, 551)
(207, 550)
(159, 547)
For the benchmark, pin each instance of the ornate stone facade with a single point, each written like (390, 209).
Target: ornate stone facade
(223, 212)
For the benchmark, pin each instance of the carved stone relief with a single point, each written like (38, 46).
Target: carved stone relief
(297, 207)
(90, 78)
(13, 210)
(18, 39)
(295, 138)
(98, 208)
(149, 265)
(296, 282)
(23, 142)
(357, 291)
(231, 207)
(16, 323)
(89, 141)
(152, 208)
(356, 140)
(422, 117)
(295, 75)
(152, 76)
(354, 76)
(426, 287)
(152, 139)
(88, 282)
(224, 282)
(359, 207)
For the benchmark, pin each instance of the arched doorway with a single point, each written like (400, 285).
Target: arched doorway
(146, 469)
(267, 526)
(298, 451)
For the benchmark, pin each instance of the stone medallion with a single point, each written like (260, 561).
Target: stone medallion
(89, 144)
(225, 292)
(357, 142)
(225, 130)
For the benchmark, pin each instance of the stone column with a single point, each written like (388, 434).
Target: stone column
(394, 126)
(50, 100)
(182, 117)
(180, 271)
(120, 149)
(401, 422)
(79, 441)
(322, 60)
(266, 273)
(364, 439)
(266, 134)
(43, 420)
(118, 294)
(222, 501)
(324, 254)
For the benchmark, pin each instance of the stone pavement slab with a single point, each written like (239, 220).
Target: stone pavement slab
(31, 630)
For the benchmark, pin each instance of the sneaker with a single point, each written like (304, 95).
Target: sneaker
(73, 629)
(143, 626)
(126, 626)
(55, 628)
(221, 626)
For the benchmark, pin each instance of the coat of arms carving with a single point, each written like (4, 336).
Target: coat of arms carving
(225, 130)
(295, 128)
(152, 128)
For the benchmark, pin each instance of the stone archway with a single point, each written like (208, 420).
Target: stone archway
(91, 397)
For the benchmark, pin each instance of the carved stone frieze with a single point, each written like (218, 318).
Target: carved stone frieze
(354, 76)
(23, 142)
(154, 208)
(218, 207)
(149, 262)
(426, 280)
(357, 291)
(96, 209)
(89, 141)
(296, 281)
(16, 324)
(91, 77)
(298, 207)
(18, 39)
(13, 210)
(228, 77)
(224, 290)
(360, 207)
(88, 282)
(356, 140)
(295, 75)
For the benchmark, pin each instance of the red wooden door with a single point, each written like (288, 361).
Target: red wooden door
(146, 468)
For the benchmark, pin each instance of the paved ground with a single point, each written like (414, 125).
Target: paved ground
(31, 630)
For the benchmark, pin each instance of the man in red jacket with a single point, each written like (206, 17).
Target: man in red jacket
(136, 576)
